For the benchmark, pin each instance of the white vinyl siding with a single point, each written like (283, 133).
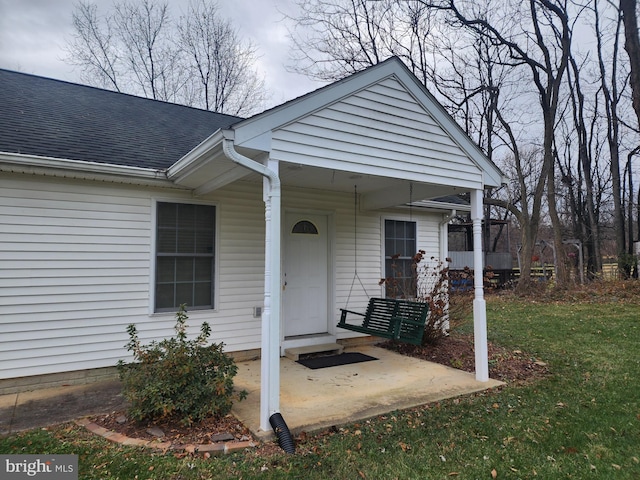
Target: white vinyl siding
(383, 130)
(74, 271)
(76, 260)
(75, 266)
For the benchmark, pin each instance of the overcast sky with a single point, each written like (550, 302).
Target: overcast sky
(33, 34)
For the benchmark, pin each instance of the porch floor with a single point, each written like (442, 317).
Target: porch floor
(316, 399)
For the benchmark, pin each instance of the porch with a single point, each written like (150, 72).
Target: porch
(316, 399)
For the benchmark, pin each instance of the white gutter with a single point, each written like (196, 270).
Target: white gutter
(270, 355)
(65, 168)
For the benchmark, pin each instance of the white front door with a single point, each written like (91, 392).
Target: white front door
(305, 274)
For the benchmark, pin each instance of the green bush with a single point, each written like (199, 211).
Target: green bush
(176, 377)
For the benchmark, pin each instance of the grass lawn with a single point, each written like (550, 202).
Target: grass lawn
(582, 421)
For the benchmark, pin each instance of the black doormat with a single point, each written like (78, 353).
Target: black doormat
(335, 360)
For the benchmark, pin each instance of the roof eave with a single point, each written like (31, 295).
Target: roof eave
(195, 158)
(83, 170)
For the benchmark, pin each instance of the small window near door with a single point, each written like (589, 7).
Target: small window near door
(400, 247)
(305, 227)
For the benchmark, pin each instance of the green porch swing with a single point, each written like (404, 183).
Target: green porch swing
(400, 320)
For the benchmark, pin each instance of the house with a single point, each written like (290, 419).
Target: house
(116, 209)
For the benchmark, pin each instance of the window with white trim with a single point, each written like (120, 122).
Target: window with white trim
(399, 250)
(185, 246)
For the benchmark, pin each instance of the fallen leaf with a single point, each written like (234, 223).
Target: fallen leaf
(494, 473)
(453, 474)
(617, 467)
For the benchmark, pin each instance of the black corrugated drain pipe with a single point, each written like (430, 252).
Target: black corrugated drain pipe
(285, 440)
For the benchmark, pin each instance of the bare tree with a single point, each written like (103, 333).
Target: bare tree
(149, 55)
(139, 49)
(612, 95)
(546, 54)
(93, 48)
(632, 46)
(220, 61)
(585, 208)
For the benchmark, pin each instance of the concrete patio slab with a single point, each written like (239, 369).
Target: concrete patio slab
(316, 399)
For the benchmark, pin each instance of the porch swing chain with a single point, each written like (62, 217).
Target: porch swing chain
(355, 247)
(411, 201)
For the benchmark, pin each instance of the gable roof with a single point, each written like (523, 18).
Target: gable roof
(256, 132)
(51, 118)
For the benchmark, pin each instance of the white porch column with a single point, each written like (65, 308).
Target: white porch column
(270, 355)
(270, 333)
(479, 304)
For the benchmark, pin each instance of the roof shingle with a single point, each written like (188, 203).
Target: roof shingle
(46, 117)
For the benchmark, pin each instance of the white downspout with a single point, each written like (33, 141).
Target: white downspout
(270, 355)
(479, 304)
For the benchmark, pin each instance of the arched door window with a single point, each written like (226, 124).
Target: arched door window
(304, 227)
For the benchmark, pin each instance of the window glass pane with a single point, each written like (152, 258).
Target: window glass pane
(305, 227)
(410, 250)
(204, 241)
(186, 241)
(186, 216)
(167, 215)
(205, 229)
(396, 231)
(165, 269)
(184, 269)
(202, 294)
(203, 269)
(166, 240)
(184, 294)
(388, 247)
(164, 296)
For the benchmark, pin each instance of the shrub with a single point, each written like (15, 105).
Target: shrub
(427, 282)
(177, 377)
